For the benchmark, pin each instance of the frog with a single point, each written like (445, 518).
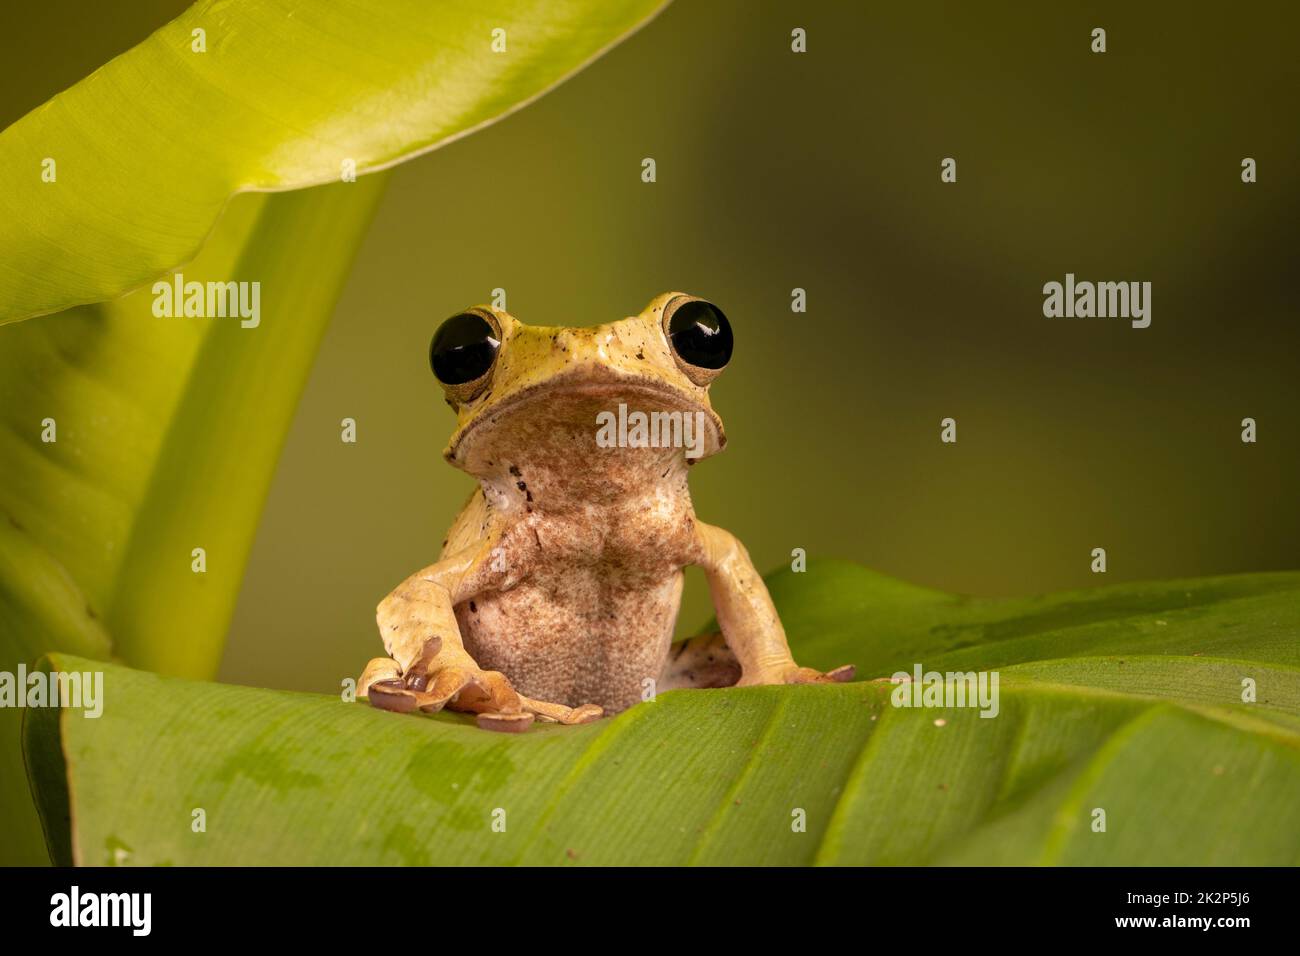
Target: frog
(556, 593)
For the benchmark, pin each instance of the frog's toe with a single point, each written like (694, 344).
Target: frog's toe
(379, 670)
(550, 713)
(475, 691)
(791, 673)
(442, 686)
(807, 675)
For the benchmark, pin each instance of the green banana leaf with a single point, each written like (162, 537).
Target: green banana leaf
(148, 149)
(1125, 701)
(166, 432)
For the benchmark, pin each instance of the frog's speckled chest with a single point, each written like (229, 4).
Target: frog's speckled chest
(592, 617)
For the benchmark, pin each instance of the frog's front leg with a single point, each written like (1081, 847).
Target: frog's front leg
(747, 617)
(429, 668)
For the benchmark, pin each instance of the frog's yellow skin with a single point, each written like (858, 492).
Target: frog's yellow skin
(559, 583)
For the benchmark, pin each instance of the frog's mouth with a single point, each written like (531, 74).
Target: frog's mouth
(577, 411)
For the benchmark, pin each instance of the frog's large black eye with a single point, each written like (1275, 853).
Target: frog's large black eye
(701, 334)
(463, 349)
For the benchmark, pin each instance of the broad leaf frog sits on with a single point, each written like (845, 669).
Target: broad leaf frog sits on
(559, 583)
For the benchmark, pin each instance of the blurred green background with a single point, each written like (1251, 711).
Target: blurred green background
(821, 171)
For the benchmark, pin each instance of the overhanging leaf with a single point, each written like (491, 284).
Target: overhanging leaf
(166, 434)
(1154, 735)
(167, 429)
(148, 149)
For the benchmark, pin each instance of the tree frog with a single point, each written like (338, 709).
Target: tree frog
(558, 586)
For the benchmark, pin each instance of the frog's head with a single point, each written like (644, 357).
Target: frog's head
(553, 395)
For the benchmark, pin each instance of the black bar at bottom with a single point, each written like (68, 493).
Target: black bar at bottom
(365, 906)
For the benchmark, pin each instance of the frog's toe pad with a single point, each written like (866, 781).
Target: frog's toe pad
(393, 695)
(505, 723)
